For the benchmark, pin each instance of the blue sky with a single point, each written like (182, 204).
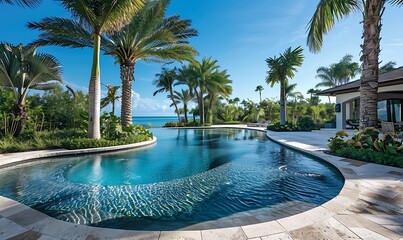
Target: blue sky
(240, 35)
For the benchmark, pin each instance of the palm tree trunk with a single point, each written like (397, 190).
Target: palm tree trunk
(20, 112)
(370, 63)
(210, 110)
(95, 92)
(282, 103)
(173, 102)
(185, 109)
(126, 76)
(260, 96)
(201, 107)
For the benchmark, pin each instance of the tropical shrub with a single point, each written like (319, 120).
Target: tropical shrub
(306, 124)
(287, 127)
(366, 145)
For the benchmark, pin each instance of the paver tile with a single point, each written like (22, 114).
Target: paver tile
(224, 234)
(278, 236)
(180, 235)
(9, 229)
(262, 229)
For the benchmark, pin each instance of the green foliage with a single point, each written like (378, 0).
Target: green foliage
(306, 124)
(189, 124)
(287, 127)
(366, 145)
(369, 155)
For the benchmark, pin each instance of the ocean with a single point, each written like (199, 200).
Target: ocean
(155, 121)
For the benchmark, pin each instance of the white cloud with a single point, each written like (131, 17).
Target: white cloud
(145, 105)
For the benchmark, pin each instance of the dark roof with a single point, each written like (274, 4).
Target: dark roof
(393, 77)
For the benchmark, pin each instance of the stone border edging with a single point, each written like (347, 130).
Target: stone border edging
(10, 159)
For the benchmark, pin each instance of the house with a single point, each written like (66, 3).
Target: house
(390, 99)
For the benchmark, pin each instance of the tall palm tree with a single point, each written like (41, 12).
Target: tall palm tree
(184, 97)
(280, 70)
(150, 36)
(217, 85)
(313, 99)
(389, 66)
(259, 89)
(90, 20)
(22, 69)
(165, 82)
(327, 11)
(197, 76)
(110, 97)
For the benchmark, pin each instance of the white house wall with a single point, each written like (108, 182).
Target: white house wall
(342, 98)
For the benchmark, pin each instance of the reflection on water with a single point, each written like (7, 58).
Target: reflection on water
(188, 177)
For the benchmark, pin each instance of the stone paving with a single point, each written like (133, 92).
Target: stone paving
(370, 206)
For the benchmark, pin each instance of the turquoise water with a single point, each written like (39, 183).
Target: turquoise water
(189, 176)
(156, 121)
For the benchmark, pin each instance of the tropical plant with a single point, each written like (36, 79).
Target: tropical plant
(165, 82)
(149, 37)
(327, 11)
(389, 66)
(281, 69)
(184, 97)
(217, 86)
(198, 76)
(337, 73)
(23, 69)
(90, 20)
(110, 97)
(313, 99)
(255, 115)
(259, 89)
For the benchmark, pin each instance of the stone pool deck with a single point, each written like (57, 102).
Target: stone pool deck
(370, 206)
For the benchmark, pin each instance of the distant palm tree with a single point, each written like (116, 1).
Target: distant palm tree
(217, 85)
(255, 115)
(236, 101)
(22, 3)
(389, 66)
(280, 70)
(165, 82)
(259, 89)
(152, 37)
(338, 73)
(110, 97)
(90, 20)
(183, 97)
(313, 99)
(22, 69)
(327, 11)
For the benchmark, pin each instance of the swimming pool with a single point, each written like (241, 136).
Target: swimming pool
(189, 177)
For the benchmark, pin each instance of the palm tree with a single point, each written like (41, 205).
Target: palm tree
(337, 73)
(322, 22)
(22, 3)
(313, 99)
(150, 37)
(389, 66)
(184, 97)
(90, 20)
(217, 85)
(165, 82)
(255, 115)
(236, 101)
(197, 76)
(110, 97)
(259, 89)
(22, 69)
(280, 70)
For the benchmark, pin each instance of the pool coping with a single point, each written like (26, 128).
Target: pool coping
(334, 214)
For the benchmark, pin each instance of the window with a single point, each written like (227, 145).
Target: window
(390, 110)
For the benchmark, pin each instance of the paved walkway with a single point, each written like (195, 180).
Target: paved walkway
(370, 206)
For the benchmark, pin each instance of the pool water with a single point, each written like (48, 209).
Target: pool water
(190, 176)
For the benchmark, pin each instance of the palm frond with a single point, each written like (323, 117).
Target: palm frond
(326, 13)
(62, 32)
(22, 3)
